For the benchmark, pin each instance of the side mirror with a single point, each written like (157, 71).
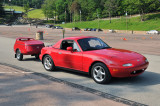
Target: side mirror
(70, 49)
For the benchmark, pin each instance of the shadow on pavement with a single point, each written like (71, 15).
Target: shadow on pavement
(145, 79)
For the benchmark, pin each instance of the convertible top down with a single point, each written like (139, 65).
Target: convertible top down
(93, 56)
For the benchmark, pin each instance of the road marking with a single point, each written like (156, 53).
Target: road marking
(16, 72)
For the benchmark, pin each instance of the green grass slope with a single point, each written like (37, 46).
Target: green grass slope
(37, 13)
(17, 8)
(152, 22)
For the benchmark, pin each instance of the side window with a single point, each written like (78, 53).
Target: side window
(66, 43)
(75, 47)
(69, 43)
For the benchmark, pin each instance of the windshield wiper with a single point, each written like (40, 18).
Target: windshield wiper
(105, 47)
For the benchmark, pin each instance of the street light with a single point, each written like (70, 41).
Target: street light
(98, 20)
(126, 21)
(80, 14)
(10, 5)
(65, 15)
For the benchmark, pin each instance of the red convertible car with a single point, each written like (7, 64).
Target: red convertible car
(27, 46)
(93, 56)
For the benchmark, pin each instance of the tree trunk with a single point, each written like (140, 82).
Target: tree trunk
(70, 17)
(142, 15)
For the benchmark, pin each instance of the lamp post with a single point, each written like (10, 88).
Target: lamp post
(126, 21)
(80, 14)
(4, 2)
(65, 15)
(98, 20)
(10, 7)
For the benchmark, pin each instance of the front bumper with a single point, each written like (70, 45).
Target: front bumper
(128, 71)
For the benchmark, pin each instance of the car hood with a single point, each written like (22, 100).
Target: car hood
(120, 54)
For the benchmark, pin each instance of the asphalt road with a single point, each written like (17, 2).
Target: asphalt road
(21, 88)
(144, 89)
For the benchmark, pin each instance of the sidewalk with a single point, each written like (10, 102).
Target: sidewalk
(19, 88)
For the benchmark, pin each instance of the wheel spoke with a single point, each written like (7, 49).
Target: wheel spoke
(101, 77)
(102, 73)
(99, 73)
(48, 63)
(96, 70)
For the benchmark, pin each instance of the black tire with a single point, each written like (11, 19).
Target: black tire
(100, 73)
(19, 55)
(48, 63)
(37, 56)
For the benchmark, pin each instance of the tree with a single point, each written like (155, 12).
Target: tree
(49, 9)
(1, 9)
(75, 7)
(88, 8)
(26, 8)
(142, 4)
(110, 7)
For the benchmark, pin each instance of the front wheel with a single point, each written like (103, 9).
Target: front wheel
(19, 55)
(100, 73)
(48, 63)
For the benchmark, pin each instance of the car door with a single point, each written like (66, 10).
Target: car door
(70, 59)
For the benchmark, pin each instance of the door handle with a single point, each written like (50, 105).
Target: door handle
(60, 53)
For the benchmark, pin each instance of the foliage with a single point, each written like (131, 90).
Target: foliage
(32, 3)
(111, 7)
(26, 8)
(48, 8)
(90, 9)
(1, 9)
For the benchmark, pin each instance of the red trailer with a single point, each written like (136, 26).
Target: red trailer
(27, 46)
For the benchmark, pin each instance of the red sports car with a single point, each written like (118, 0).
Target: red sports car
(93, 56)
(27, 46)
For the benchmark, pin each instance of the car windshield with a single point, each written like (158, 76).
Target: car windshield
(88, 44)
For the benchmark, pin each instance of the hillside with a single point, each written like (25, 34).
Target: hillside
(152, 22)
(36, 13)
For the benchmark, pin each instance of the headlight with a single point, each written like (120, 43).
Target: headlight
(127, 65)
(146, 61)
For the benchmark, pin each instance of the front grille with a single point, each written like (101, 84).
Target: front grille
(137, 72)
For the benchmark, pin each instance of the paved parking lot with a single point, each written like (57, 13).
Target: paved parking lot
(19, 88)
(146, 44)
(143, 89)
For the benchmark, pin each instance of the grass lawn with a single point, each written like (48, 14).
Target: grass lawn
(37, 13)
(152, 22)
(17, 8)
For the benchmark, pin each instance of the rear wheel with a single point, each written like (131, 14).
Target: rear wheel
(100, 73)
(19, 55)
(48, 63)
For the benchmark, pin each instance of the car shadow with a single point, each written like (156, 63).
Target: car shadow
(79, 73)
(31, 59)
(146, 79)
